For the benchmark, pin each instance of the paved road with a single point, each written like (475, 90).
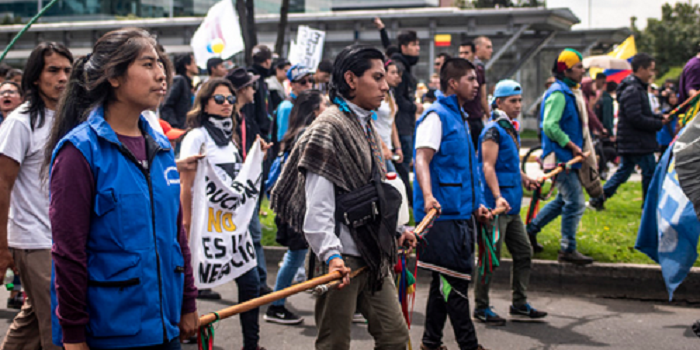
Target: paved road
(574, 323)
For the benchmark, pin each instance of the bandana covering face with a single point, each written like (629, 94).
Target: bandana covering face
(220, 128)
(567, 59)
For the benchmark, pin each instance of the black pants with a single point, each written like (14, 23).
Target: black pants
(455, 305)
(476, 126)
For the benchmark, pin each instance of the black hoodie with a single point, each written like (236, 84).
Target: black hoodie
(405, 95)
(258, 111)
(636, 124)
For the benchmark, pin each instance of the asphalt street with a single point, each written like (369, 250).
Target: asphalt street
(575, 322)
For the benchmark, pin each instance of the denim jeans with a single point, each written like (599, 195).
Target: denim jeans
(648, 164)
(249, 288)
(570, 203)
(290, 265)
(390, 168)
(255, 230)
(404, 168)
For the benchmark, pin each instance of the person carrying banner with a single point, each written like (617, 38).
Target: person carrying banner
(448, 180)
(502, 184)
(212, 129)
(562, 140)
(337, 158)
(308, 106)
(122, 273)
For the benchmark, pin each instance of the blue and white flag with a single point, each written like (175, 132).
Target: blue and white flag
(669, 230)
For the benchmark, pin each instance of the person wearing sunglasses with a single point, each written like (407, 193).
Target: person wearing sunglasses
(300, 79)
(10, 98)
(212, 128)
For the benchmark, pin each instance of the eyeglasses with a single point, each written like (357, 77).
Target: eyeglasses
(220, 99)
(303, 81)
(8, 92)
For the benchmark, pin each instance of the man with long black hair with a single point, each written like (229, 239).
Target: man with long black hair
(179, 99)
(337, 155)
(25, 227)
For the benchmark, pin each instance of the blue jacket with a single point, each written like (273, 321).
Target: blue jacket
(135, 265)
(570, 123)
(507, 167)
(453, 172)
(283, 112)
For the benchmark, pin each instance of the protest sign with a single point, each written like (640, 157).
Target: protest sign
(308, 48)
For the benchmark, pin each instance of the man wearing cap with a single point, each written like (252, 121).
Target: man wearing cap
(562, 140)
(499, 159)
(300, 80)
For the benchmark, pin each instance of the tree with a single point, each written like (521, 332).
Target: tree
(246, 19)
(673, 39)
(282, 26)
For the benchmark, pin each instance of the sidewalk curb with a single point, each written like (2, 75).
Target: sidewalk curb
(624, 281)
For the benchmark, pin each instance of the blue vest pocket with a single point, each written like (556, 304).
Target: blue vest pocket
(116, 296)
(449, 192)
(177, 290)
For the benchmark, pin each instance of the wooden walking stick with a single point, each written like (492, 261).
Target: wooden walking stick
(324, 288)
(562, 167)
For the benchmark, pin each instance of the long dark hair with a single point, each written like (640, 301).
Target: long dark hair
(195, 117)
(301, 116)
(354, 58)
(89, 87)
(32, 73)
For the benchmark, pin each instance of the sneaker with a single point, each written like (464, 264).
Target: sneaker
(442, 347)
(526, 312)
(536, 247)
(358, 318)
(16, 301)
(574, 257)
(280, 315)
(208, 294)
(596, 204)
(489, 317)
(265, 290)
(696, 328)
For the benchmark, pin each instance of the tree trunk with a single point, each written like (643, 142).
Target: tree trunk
(243, 22)
(281, 27)
(252, 31)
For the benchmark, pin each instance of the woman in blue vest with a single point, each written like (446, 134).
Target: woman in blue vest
(122, 273)
(502, 183)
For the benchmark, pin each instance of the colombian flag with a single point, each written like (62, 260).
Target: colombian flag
(624, 51)
(442, 40)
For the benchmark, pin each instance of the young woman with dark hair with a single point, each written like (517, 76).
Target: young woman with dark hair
(122, 271)
(386, 118)
(308, 105)
(338, 154)
(212, 122)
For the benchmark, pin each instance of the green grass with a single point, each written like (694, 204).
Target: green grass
(673, 73)
(606, 236)
(528, 134)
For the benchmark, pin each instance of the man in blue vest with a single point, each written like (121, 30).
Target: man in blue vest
(562, 140)
(499, 159)
(448, 180)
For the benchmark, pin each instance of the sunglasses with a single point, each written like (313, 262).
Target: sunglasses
(8, 92)
(219, 99)
(303, 81)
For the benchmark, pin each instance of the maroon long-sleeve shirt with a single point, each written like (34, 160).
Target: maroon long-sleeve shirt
(72, 193)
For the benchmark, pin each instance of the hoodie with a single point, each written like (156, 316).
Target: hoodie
(405, 95)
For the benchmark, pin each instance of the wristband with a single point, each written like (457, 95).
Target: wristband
(328, 262)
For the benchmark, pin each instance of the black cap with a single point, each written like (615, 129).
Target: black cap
(601, 76)
(240, 78)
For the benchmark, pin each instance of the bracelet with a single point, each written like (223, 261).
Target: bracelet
(334, 256)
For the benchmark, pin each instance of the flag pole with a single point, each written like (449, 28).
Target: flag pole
(26, 27)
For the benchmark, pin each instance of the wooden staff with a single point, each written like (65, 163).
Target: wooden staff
(425, 222)
(498, 211)
(560, 168)
(266, 299)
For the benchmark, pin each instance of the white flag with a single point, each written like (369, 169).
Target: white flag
(308, 49)
(221, 23)
(222, 249)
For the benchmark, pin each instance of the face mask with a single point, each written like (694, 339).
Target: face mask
(219, 128)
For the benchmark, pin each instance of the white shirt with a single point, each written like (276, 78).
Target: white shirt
(198, 141)
(385, 122)
(28, 225)
(429, 132)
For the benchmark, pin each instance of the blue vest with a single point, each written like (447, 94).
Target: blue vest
(507, 169)
(453, 172)
(135, 267)
(570, 123)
